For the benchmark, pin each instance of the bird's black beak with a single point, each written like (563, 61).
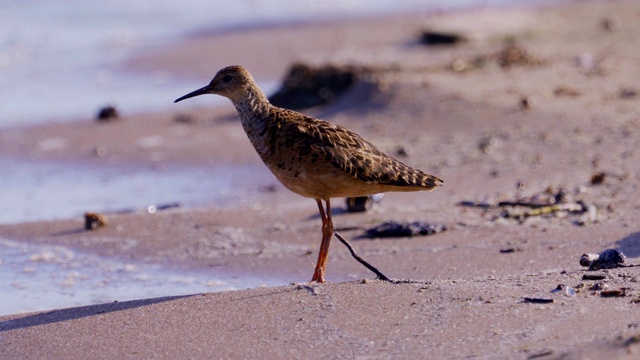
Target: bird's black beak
(201, 91)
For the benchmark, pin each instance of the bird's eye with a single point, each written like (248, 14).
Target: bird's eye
(227, 78)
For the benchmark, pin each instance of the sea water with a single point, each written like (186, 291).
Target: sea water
(36, 277)
(40, 191)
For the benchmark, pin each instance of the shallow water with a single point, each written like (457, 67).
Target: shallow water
(42, 277)
(35, 191)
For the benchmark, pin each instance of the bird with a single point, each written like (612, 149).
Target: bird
(312, 157)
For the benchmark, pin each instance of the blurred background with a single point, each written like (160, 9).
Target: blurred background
(63, 60)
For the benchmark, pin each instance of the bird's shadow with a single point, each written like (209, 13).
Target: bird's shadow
(54, 316)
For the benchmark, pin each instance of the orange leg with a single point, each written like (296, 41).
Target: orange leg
(327, 233)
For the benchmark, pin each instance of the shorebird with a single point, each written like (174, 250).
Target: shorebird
(312, 157)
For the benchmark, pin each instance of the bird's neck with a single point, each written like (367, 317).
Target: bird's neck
(253, 109)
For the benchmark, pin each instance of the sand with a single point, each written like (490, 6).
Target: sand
(561, 117)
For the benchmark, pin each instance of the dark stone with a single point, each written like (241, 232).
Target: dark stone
(305, 86)
(397, 229)
(108, 113)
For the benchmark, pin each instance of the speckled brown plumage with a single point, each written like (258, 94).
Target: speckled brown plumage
(312, 157)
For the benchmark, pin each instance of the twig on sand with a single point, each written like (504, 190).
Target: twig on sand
(380, 275)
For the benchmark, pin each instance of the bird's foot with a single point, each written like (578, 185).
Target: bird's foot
(318, 276)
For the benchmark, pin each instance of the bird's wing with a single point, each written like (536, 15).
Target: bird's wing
(351, 153)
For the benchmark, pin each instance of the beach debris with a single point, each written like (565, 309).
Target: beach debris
(585, 61)
(556, 202)
(476, 204)
(509, 250)
(310, 289)
(590, 215)
(437, 38)
(581, 286)
(565, 290)
(593, 277)
(598, 178)
(363, 203)
(462, 64)
(534, 209)
(537, 300)
(152, 209)
(404, 151)
(270, 188)
(108, 113)
(588, 259)
(539, 354)
(600, 285)
(610, 23)
(489, 143)
(632, 340)
(510, 55)
(566, 91)
(608, 259)
(184, 119)
(594, 64)
(372, 268)
(527, 103)
(305, 86)
(628, 93)
(404, 229)
(380, 275)
(93, 221)
(100, 151)
(622, 292)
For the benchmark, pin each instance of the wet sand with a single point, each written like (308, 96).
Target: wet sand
(559, 116)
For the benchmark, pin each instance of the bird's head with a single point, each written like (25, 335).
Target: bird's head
(231, 82)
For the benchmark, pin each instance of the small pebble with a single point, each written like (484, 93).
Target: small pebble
(363, 203)
(628, 93)
(183, 119)
(100, 151)
(566, 290)
(600, 285)
(527, 103)
(435, 38)
(404, 151)
(598, 178)
(611, 23)
(108, 113)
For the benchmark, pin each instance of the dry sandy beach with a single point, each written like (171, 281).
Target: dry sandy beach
(536, 104)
